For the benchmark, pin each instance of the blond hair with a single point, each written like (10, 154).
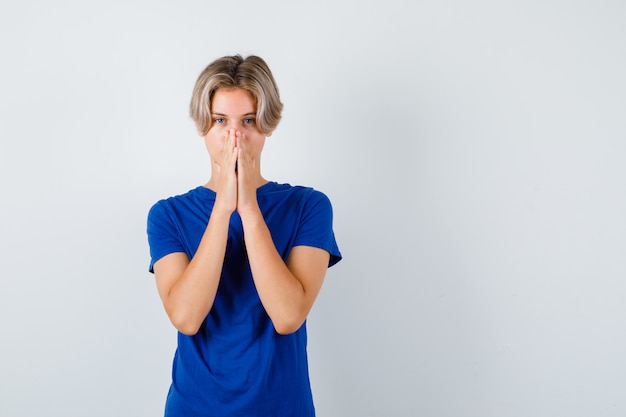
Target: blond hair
(251, 74)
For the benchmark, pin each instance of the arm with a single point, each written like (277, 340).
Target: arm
(187, 288)
(287, 289)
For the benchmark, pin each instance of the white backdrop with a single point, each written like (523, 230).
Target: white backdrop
(474, 153)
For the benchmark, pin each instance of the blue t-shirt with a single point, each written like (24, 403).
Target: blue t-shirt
(237, 364)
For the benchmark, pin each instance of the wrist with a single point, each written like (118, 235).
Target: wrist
(221, 210)
(250, 215)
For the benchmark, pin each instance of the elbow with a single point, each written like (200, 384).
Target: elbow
(185, 325)
(187, 330)
(287, 326)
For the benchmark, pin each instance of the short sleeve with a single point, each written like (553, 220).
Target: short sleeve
(163, 236)
(316, 226)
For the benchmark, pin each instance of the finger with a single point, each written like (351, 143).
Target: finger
(232, 145)
(247, 156)
(243, 144)
(239, 139)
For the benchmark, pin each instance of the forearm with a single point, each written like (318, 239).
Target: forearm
(191, 297)
(281, 293)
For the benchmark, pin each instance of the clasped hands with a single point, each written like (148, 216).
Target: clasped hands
(239, 174)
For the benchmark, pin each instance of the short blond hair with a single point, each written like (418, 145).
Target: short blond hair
(251, 74)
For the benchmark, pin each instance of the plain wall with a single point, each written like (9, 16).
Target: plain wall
(474, 153)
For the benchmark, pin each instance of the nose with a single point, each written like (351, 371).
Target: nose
(234, 128)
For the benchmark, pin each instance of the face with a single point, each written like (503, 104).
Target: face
(233, 108)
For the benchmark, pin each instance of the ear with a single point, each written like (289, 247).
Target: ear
(267, 135)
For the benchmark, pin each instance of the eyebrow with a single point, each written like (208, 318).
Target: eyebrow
(245, 115)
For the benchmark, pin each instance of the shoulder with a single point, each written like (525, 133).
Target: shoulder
(181, 201)
(297, 201)
(298, 192)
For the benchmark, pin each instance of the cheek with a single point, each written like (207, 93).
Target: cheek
(214, 142)
(217, 129)
(256, 145)
(216, 134)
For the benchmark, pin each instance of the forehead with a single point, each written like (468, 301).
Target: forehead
(233, 101)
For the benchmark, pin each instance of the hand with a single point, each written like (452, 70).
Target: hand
(247, 178)
(227, 181)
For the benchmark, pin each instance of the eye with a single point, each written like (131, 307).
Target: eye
(249, 121)
(219, 120)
